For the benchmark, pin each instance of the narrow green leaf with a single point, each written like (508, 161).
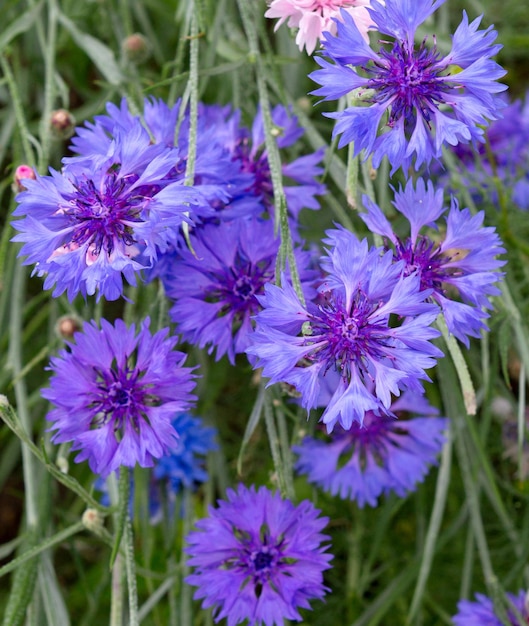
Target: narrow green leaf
(20, 25)
(101, 55)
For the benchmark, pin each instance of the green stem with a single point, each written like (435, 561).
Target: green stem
(15, 360)
(273, 440)
(19, 111)
(467, 388)
(116, 595)
(49, 85)
(193, 115)
(286, 250)
(41, 547)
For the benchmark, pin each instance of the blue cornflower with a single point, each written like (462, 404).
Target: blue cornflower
(506, 156)
(258, 557)
(115, 393)
(380, 456)
(84, 228)
(216, 175)
(231, 167)
(214, 291)
(463, 263)
(349, 330)
(482, 612)
(412, 91)
(183, 465)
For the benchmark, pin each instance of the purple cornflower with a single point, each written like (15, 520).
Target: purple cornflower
(115, 392)
(258, 557)
(410, 91)
(216, 176)
(463, 263)
(231, 167)
(250, 152)
(215, 290)
(380, 456)
(85, 228)
(482, 611)
(349, 330)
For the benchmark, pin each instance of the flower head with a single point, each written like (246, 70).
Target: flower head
(506, 156)
(463, 263)
(349, 330)
(481, 612)
(314, 17)
(380, 456)
(115, 393)
(85, 227)
(249, 151)
(214, 291)
(258, 557)
(410, 91)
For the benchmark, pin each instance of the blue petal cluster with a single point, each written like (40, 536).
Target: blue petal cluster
(183, 466)
(258, 558)
(411, 93)
(231, 167)
(115, 393)
(462, 263)
(85, 227)
(349, 329)
(381, 456)
(214, 289)
(481, 612)
(506, 156)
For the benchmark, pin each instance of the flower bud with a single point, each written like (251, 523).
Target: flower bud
(136, 48)
(67, 325)
(93, 521)
(22, 172)
(62, 124)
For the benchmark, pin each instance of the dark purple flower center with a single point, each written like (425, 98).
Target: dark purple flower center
(409, 80)
(103, 217)
(239, 288)
(120, 397)
(256, 164)
(345, 336)
(373, 437)
(262, 560)
(427, 259)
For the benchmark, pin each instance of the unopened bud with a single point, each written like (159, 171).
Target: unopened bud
(23, 172)
(62, 464)
(4, 402)
(67, 325)
(136, 48)
(93, 521)
(62, 124)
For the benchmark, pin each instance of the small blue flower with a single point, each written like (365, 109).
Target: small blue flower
(410, 91)
(258, 558)
(463, 263)
(115, 393)
(183, 466)
(214, 291)
(481, 612)
(380, 456)
(349, 330)
(84, 228)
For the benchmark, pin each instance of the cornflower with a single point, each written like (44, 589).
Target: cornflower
(417, 97)
(350, 330)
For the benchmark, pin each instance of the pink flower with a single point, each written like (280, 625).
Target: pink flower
(314, 17)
